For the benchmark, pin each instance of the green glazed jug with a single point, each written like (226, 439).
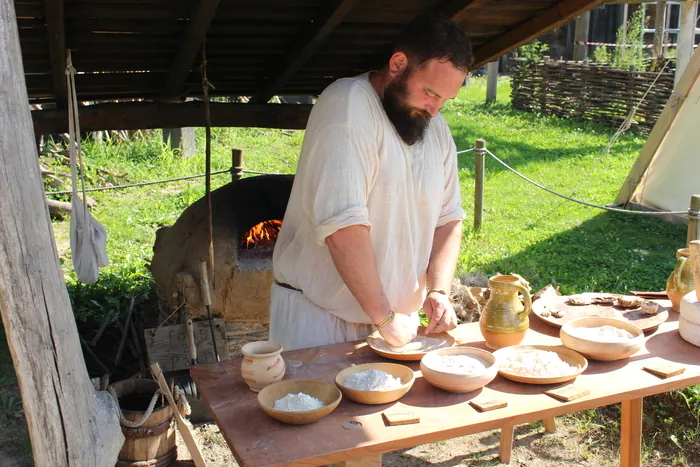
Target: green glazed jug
(504, 320)
(680, 282)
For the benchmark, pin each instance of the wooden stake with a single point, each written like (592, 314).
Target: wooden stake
(479, 163)
(694, 219)
(236, 164)
(182, 426)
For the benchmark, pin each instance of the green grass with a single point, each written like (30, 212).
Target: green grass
(525, 230)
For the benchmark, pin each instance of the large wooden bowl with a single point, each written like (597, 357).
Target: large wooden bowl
(455, 382)
(376, 397)
(573, 358)
(326, 393)
(602, 350)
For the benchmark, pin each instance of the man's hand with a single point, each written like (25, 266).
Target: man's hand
(401, 330)
(439, 310)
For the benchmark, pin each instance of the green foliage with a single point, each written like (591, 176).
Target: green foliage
(601, 55)
(532, 52)
(631, 32)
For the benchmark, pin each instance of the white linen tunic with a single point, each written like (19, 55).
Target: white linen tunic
(355, 169)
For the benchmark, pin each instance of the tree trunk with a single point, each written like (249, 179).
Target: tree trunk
(59, 401)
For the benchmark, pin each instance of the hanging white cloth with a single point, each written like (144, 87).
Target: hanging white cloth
(88, 239)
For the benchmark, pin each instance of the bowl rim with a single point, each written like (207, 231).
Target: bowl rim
(245, 350)
(568, 326)
(271, 408)
(539, 379)
(378, 391)
(432, 354)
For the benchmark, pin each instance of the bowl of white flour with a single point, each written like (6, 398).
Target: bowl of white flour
(602, 338)
(375, 383)
(459, 369)
(299, 402)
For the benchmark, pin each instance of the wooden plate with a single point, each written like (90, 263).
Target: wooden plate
(634, 316)
(569, 356)
(376, 342)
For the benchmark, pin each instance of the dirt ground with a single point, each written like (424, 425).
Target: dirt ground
(531, 447)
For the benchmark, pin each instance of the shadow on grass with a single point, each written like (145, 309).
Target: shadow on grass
(610, 252)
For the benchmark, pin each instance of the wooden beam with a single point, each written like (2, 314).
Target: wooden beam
(195, 33)
(686, 36)
(563, 12)
(304, 49)
(59, 401)
(581, 35)
(661, 127)
(56, 37)
(457, 9)
(659, 31)
(141, 115)
(492, 81)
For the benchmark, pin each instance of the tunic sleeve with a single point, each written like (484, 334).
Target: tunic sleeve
(452, 201)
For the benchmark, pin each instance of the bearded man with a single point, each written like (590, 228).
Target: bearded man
(373, 226)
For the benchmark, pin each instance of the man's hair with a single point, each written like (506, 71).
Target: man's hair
(435, 36)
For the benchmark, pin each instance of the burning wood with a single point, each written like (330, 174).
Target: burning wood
(264, 233)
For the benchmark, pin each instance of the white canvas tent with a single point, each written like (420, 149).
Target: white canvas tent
(667, 173)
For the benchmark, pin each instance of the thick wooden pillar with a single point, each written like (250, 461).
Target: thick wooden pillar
(581, 35)
(686, 36)
(660, 32)
(58, 398)
(491, 81)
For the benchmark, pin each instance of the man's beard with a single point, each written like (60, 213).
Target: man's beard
(410, 122)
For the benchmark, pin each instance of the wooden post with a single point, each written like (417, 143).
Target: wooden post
(581, 35)
(660, 32)
(686, 36)
(492, 81)
(631, 433)
(236, 164)
(182, 139)
(505, 447)
(479, 163)
(59, 401)
(694, 219)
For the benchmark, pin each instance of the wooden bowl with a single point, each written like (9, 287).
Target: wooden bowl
(602, 350)
(455, 382)
(376, 397)
(326, 393)
(377, 344)
(571, 357)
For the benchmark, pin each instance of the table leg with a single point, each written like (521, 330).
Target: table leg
(369, 461)
(506, 444)
(631, 433)
(550, 425)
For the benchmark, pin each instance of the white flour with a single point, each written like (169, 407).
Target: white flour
(419, 344)
(298, 403)
(536, 363)
(372, 380)
(461, 364)
(602, 334)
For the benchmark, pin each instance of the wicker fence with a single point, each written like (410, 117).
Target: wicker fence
(589, 92)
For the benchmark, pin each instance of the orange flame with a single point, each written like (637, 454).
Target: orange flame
(264, 233)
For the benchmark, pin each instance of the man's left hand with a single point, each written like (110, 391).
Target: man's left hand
(439, 310)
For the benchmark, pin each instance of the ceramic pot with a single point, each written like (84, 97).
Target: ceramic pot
(262, 364)
(680, 282)
(504, 320)
(695, 259)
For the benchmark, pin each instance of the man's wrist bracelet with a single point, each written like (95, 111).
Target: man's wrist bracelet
(440, 291)
(386, 320)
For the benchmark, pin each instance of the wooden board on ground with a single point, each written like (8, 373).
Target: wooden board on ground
(570, 312)
(167, 345)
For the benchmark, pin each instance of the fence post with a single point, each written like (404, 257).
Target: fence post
(236, 164)
(479, 162)
(694, 219)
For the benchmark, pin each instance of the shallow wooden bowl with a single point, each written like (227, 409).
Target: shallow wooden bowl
(326, 393)
(602, 350)
(572, 357)
(376, 397)
(377, 344)
(455, 382)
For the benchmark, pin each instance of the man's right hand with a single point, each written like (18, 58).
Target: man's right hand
(401, 330)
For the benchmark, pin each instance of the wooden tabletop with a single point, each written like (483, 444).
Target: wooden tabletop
(260, 441)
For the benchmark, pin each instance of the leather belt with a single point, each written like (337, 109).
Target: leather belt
(287, 286)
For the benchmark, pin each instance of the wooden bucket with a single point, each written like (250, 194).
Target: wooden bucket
(153, 443)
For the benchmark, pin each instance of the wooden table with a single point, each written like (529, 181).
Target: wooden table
(258, 440)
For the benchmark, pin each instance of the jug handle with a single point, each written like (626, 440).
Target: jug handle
(527, 298)
(677, 271)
